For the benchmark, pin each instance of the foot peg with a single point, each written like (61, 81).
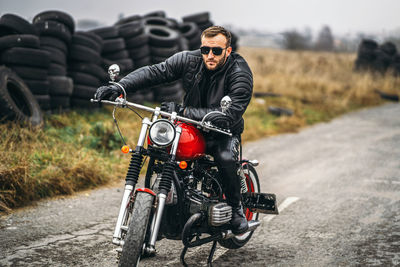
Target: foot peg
(260, 202)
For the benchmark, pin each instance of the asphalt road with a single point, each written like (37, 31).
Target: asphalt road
(337, 184)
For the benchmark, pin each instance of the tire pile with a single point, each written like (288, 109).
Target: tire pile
(377, 58)
(55, 31)
(62, 67)
(85, 67)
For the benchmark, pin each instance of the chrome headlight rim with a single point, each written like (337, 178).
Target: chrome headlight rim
(156, 123)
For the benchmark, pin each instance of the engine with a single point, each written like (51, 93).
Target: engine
(219, 214)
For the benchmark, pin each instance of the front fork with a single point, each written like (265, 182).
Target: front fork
(162, 196)
(131, 180)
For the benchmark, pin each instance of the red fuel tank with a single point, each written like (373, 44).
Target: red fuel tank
(191, 144)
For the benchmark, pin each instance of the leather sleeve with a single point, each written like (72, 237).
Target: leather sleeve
(168, 71)
(197, 113)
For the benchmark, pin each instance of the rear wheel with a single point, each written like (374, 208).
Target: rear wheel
(135, 237)
(253, 185)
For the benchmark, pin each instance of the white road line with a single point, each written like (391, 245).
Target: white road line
(286, 203)
(221, 251)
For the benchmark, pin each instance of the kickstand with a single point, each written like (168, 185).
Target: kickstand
(183, 256)
(210, 257)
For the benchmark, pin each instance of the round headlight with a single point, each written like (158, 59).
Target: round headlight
(162, 133)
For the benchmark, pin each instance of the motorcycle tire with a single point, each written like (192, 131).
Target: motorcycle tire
(133, 243)
(253, 185)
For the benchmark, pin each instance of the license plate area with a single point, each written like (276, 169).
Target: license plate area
(260, 202)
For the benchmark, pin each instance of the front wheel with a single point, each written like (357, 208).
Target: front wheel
(133, 245)
(253, 185)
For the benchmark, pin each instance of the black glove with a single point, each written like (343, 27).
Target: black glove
(109, 92)
(171, 107)
(219, 120)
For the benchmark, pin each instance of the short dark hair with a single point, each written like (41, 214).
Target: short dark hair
(215, 30)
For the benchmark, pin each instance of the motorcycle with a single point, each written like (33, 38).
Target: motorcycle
(182, 198)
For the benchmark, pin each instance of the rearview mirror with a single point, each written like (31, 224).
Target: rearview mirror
(226, 102)
(113, 71)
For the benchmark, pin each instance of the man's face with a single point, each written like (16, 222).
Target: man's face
(214, 62)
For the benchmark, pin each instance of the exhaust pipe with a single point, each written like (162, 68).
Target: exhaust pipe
(252, 226)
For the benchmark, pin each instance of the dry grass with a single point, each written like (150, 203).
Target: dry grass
(316, 86)
(80, 150)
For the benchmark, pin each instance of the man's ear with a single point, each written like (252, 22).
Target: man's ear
(228, 51)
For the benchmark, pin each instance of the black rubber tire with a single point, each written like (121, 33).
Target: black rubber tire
(44, 101)
(93, 36)
(16, 100)
(54, 42)
(56, 55)
(117, 55)
(198, 18)
(58, 16)
(81, 53)
(164, 52)
(158, 21)
(14, 24)
(109, 32)
(131, 29)
(57, 70)
(113, 45)
(137, 41)
(126, 65)
(135, 237)
(128, 19)
(83, 91)
(54, 29)
(84, 79)
(157, 13)
(57, 102)
(30, 72)
(143, 62)
(84, 40)
(60, 86)
(26, 56)
(205, 25)
(155, 59)
(240, 240)
(89, 68)
(189, 30)
(140, 52)
(38, 87)
(19, 40)
(161, 36)
(388, 48)
(83, 103)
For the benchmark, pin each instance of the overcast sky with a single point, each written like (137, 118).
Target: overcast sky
(343, 16)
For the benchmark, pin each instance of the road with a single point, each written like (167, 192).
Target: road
(338, 189)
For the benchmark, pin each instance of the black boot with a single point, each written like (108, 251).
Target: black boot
(238, 221)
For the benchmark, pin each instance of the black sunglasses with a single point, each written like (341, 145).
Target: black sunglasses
(215, 50)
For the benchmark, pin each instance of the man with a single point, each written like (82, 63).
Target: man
(208, 75)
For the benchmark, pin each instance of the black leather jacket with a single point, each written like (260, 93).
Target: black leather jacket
(233, 79)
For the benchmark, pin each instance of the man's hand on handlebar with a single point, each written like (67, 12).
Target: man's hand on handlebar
(108, 92)
(172, 107)
(219, 120)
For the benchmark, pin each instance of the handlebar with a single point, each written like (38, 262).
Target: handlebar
(122, 102)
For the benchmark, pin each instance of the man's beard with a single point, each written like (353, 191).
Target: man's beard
(219, 64)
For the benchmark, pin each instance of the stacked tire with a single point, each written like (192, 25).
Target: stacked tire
(164, 42)
(114, 49)
(85, 67)
(377, 58)
(55, 29)
(136, 42)
(191, 32)
(20, 50)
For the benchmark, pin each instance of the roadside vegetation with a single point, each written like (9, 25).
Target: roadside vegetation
(80, 149)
